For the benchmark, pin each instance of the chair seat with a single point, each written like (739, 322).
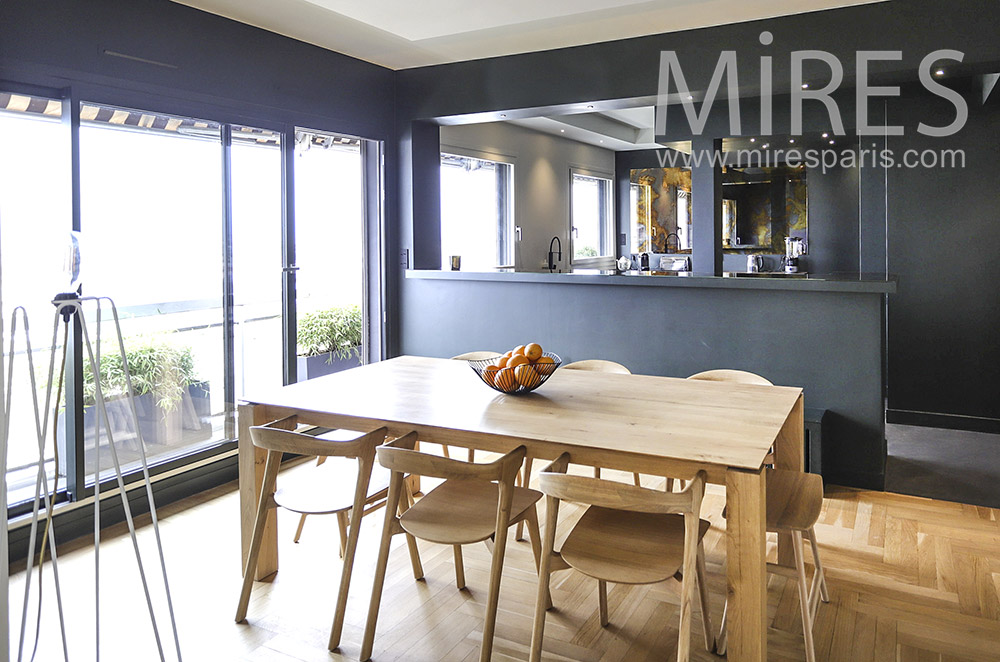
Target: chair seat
(462, 511)
(329, 488)
(794, 499)
(627, 547)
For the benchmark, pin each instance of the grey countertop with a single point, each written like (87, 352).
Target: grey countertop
(839, 282)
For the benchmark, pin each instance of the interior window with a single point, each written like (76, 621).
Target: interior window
(477, 219)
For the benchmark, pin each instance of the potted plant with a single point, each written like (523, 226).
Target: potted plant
(172, 404)
(329, 341)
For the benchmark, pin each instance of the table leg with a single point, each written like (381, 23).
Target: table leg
(789, 453)
(747, 573)
(251, 466)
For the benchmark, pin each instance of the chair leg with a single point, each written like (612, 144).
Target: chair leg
(496, 571)
(531, 517)
(543, 596)
(687, 586)
(264, 504)
(411, 542)
(342, 525)
(388, 528)
(800, 569)
(351, 538)
(459, 567)
(722, 640)
(525, 482)
(298, 530)
(602, 602)
(824, 594)
(706, 617)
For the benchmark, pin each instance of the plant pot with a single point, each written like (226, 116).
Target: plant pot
(310, 367)
(187, 423)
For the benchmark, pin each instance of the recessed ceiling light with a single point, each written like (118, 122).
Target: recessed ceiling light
(562, 130)
(602, 141)
(753, 140)
(791, 140)
(826, 135)
(832, 142)
(939, 72)
(503, 114)
(805, 86)
(590, 107)
(690, 97)
(765, 145)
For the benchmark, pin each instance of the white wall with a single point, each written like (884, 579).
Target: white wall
(541, 180)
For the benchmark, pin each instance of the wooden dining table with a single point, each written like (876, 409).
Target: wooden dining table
(635, 423)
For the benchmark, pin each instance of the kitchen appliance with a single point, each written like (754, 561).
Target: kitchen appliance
(754, 263)
(794, 248)
(644, 259)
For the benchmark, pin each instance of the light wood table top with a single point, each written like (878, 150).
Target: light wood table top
(708, 424)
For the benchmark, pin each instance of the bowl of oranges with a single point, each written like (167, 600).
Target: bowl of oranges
(521, 370)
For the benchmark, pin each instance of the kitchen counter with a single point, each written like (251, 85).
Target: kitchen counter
(839, 282)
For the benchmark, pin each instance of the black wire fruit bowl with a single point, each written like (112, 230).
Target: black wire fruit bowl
(523, 378)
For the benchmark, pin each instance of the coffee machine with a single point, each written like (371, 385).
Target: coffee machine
(794, 248)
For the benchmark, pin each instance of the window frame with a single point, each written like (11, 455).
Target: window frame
(506, 228)
(607, 253)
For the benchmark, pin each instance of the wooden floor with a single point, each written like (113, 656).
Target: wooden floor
(910, 579)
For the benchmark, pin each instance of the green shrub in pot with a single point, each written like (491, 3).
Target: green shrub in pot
(334, 331)
(156, 367)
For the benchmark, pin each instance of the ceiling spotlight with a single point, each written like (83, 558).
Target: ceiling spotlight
(601, 141)
(503, 114)
(753, 140)
(765, 145)
(805, 86)
(690, 97)
(826, 135)
(562, 130)
(939, 72)
(791, 140)
(590, 107)
(832, 142)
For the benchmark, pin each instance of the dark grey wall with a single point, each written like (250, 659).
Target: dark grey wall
(827, 342)
(944, 234)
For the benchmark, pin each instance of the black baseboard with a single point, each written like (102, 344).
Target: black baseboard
(945, 421)
(79, 522)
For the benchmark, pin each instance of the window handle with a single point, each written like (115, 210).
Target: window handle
(517, 231)
(576, 232)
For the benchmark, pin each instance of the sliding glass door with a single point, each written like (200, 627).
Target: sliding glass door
(228, 249)
(329, 253)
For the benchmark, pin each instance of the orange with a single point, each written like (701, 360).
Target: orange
(546, 366)
(533, 351)
(490, 373)
(516, 360)
(505, 380)
(517, 350)
(502, 363)
(527, 376)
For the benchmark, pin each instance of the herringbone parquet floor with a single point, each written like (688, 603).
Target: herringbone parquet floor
(909, 578)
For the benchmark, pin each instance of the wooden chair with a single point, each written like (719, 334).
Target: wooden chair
(598, 365)
(343, 470)
(794, 501)
(731, 376)
(628, 535)
(475, 503)
(335, 499)
(478, 355)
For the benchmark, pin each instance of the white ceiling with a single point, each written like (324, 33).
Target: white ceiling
(400, 34)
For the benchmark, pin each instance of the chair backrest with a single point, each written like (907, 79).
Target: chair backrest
(598, 365)
(273, 437)
(556, 483)
(476, 356)
(398, 456)
(732, 376)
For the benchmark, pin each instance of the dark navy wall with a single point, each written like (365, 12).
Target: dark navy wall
(217, 68)
(827, 342)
